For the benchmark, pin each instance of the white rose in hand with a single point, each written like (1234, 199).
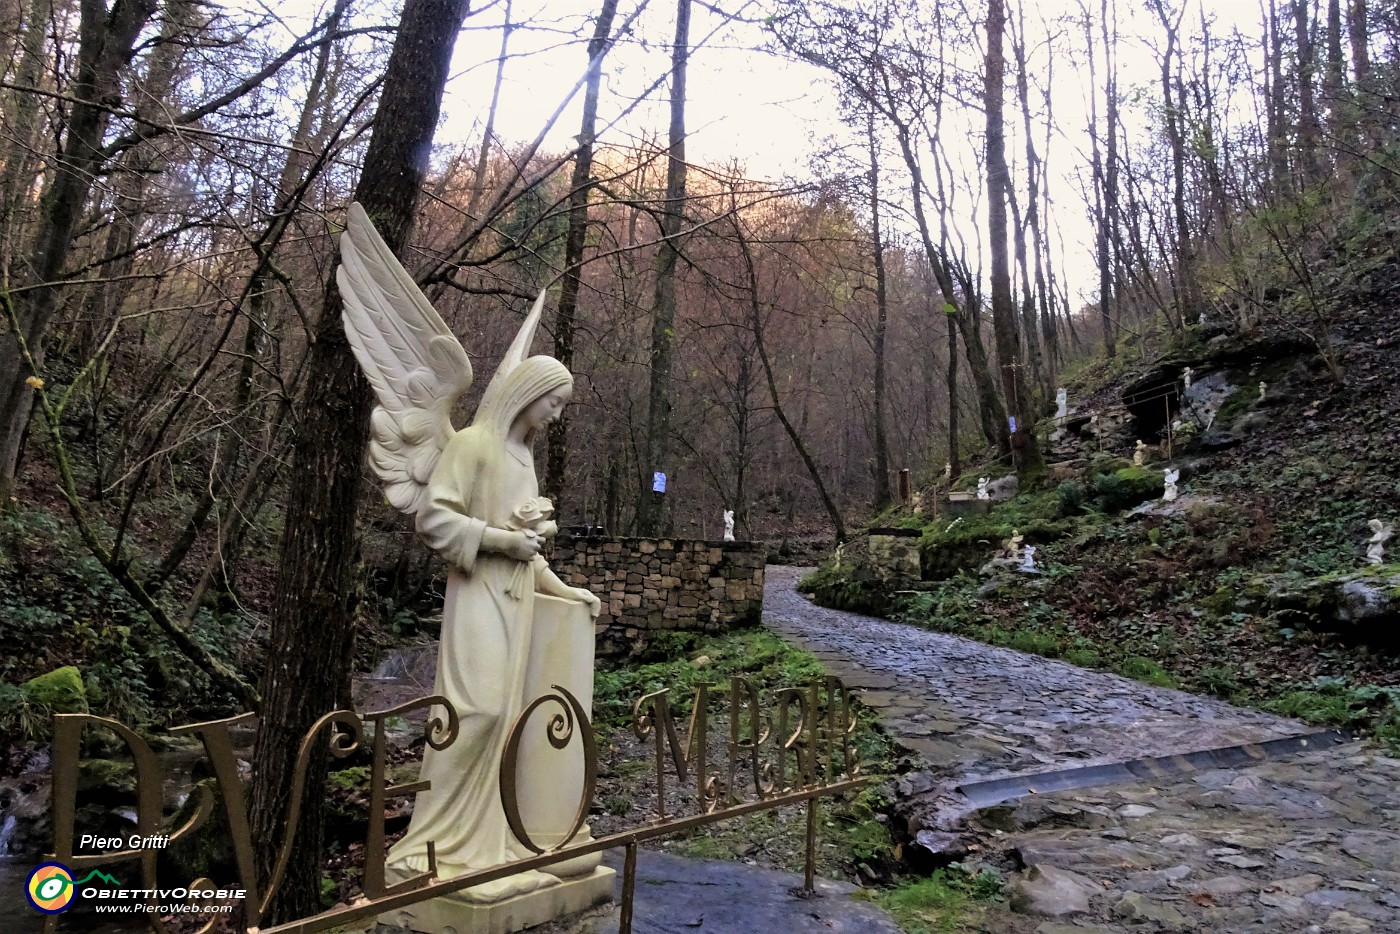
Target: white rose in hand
(523, 545)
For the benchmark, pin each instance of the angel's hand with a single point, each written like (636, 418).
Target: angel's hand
(595, 605)
(521, 545)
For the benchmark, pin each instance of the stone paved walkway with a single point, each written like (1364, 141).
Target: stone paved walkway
(1302, 843)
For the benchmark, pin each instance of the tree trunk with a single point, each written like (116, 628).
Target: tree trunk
(650, 505)
(1101, 243)
(1277, 121)
(1309, 129)
(954, 460)
(1045, 351)
(556, 468)
(882, 445)
(1109, 285)
(105, 48)
(22, 129)
(1025, 451)
(312, 633)
(794, 435)
(1174, 110)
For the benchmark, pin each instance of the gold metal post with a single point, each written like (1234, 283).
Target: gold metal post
(629, 889)
(809, 878)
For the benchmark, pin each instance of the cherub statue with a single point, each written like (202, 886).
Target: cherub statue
(1028, 561)
(1013, 545)
(982, 488)
(1263, 390)
(1186, 378)
(1140, 453)
(1169, 492)
(1061, 404)
(475, 500)
(947, 471)
(729, 525)
(1375, 547)
(916, 503)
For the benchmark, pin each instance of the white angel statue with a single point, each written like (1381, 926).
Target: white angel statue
(1375, 546)
(475, 499)
(1170, 477)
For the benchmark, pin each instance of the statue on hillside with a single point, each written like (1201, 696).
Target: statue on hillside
(1169, 492)
(1013, 545)
(1263, 390)
(1186, 378)
(729, 525)
(1028, 561)
(1375, 547)
(475, 499)
(916, 503)
(1140, 454)
(982, 488)
(1061, 404)
(947, 471)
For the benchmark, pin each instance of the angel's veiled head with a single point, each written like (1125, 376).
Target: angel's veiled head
(529, 381)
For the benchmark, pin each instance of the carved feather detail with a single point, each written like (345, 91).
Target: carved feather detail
(416, 366)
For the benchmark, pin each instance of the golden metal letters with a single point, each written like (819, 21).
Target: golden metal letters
(814, 723)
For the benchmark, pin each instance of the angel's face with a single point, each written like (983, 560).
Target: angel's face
(547, 408)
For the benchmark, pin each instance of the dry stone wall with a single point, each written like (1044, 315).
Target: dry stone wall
(650, 585)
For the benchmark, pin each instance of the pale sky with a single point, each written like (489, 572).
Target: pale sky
(772, 114)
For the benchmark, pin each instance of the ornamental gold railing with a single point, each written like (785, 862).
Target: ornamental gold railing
(795, 749)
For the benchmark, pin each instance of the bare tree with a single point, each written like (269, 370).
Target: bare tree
(1024, 448)
(313, 619)
(651, 504)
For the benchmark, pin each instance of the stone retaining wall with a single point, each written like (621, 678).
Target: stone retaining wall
(650, 585)
(894, 553)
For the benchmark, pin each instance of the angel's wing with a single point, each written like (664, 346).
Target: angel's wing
(415, 364)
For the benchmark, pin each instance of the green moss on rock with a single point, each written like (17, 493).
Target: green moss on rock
(101, 779)
(60, 691)
(1125, 487)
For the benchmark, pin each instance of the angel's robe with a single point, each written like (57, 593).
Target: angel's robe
(481, 666)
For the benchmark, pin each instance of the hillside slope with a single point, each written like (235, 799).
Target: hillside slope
(1253, 585)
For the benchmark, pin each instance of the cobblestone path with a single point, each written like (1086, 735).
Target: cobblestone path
(1304, 842)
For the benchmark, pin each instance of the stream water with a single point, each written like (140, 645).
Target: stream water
(405, 673)
(17, 858)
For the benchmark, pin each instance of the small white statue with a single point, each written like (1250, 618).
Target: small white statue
(1186, 378)
(947, 471)
(1013, 546)
(1169, 493)
(1028, 561)
(1202, 319)
(982, 488)
(1061, 404)
(840, 553)
(1375, 548)
(1263, 388)
(729, 525)
(1140, 454)
(916, 503)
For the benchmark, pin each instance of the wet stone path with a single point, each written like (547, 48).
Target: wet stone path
(1303, 841)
